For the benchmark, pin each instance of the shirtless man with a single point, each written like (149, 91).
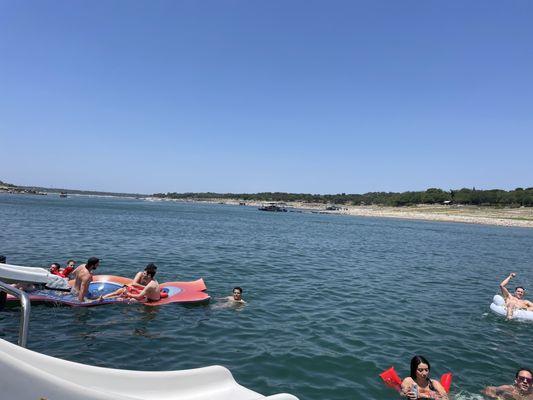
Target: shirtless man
(521, 390)
(150, 292)
(514, 301)
(236, 297)
(84, 276)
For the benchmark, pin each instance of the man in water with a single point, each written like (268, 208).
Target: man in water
(521, 390)
(84, 276)
(236, 297)
(514, 301)
(150, 292)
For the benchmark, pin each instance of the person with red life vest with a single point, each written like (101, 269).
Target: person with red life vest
(55, 269)
(419, 385)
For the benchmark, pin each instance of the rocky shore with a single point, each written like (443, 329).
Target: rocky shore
(516, 217)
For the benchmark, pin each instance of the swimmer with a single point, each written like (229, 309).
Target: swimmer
(514, 301)
(84, 276)
(54, 268)
(71, 265)
(419, 385)
(522, 389)
(149, 292)
(235, 298)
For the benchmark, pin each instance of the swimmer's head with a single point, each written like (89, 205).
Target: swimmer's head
(519, 292)
(71, 263)
(150, 270)
(237, 293)
(524, 380)
(54, 267)
(420, 368)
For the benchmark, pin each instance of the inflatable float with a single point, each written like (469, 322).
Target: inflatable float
(393, 380)
(26, 374)
(171, 292)
(498, 307)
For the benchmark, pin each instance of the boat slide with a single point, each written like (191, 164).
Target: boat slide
(33, 375)
(17, 274)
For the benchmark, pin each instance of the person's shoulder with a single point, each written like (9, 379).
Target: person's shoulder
(436, 383)
(407, 381)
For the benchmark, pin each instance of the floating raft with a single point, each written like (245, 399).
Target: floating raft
(177, 292)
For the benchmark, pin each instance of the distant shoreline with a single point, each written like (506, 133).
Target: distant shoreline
(481, 215)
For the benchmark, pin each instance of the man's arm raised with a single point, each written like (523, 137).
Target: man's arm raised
(504, 283)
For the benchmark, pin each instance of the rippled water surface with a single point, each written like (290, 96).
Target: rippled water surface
(332, 300)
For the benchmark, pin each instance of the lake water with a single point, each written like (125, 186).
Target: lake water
(332, 300)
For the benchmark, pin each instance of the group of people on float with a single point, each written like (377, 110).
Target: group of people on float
(143, 288)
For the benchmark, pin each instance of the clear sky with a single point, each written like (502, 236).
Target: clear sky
(275, 95)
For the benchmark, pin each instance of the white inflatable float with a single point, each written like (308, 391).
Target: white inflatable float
(25, 374)
(498, 307)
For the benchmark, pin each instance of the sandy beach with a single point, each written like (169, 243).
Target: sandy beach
(516, 217)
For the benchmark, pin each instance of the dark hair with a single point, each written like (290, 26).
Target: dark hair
(91, 262)
(151, 269)
(3, 259)
(415, 362)
(55, 265)
(519, 287)
(238, 288)
(523, 369)
(71, 260)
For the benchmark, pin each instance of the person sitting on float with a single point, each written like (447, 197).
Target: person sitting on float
(514, 301)
(419, 385)
(147, 291)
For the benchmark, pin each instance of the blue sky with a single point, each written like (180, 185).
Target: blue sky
(249, 96)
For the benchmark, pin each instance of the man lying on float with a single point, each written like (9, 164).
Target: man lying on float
(514, 301)
(144, 287)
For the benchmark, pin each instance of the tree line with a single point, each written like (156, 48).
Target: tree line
(494, 197)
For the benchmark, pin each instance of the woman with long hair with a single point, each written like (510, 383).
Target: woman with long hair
(419, 385)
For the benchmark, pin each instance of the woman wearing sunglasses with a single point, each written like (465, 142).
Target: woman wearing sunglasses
(419, 385)
(521, 390)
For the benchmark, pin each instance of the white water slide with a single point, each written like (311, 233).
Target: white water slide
(18, 274)
(25, 374)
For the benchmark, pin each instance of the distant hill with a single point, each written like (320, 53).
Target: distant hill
(38, 189)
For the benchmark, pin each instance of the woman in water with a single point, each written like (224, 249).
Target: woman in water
(419, 385)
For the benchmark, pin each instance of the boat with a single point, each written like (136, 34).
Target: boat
(274, 207)
(63, 194)
(26, 374)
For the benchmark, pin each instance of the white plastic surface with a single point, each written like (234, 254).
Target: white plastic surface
(15, 273)
(25, 374)
(498, 307)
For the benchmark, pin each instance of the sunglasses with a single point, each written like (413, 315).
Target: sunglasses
(525, 379)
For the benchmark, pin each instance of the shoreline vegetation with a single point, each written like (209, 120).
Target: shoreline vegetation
(486, 207)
